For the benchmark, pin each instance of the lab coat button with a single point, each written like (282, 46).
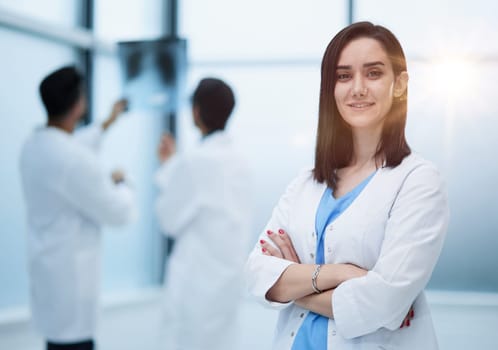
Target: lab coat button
(333, 333)
(292, 334)
(329, 249)
(313, 234)
(312, 256)
(302, 315)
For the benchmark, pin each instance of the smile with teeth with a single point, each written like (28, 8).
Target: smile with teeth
(360, 104)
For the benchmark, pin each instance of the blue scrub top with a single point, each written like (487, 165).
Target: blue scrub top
(313, 332)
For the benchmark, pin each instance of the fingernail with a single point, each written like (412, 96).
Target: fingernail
(263, 250)
(262, 241)
(412, 314)
(281, 231)
(408, 323)
(402, 325)
(269, 232)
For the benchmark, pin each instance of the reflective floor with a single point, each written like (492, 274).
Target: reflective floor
(466, 324)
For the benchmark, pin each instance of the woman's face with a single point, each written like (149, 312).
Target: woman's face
(366, 84)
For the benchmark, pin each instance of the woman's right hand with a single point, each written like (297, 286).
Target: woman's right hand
(285, 249)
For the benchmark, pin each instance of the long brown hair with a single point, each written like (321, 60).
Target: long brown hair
(334, 142)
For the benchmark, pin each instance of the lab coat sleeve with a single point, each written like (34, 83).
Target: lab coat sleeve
(263, 271)
(179, 196)
(90, 136)
(414, 235)
(95, 195)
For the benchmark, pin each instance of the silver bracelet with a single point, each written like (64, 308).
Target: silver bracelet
(313, 279)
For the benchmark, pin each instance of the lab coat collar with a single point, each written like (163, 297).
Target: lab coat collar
(214, 137)
(52, 130)
(210, 134)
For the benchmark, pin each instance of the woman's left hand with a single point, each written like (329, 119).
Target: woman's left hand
(409, 316)
(285, 249)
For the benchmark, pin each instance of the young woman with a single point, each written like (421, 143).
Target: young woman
(352, 243)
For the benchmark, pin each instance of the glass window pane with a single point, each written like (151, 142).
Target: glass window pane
(259, 29)
(61, 12)
(131, 253)
(136, 20)
(457, 130)
(433, 28)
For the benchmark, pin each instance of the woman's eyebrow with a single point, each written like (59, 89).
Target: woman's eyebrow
(376, 63)
(369, 64)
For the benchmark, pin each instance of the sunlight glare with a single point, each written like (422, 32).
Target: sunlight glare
(453, 78)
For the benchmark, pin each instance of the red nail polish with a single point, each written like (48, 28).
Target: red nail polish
(264, 250)
(269, 232)
(281, 231)
(262, 241)
(408, 323)
(412, 314)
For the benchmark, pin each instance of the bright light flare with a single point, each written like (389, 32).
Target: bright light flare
(453, 78)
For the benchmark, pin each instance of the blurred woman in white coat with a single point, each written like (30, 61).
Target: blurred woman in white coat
(352, 243)
(68, 198)
(204, 204)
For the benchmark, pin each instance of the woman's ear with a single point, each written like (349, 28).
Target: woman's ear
(400, 84)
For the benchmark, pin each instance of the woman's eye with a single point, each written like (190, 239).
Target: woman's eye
(374, 74)
(343, 76)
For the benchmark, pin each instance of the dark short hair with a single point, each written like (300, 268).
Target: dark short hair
(60, 90)
(334, 143)
(215, 100)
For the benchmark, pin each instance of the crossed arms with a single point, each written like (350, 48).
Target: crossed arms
(295, 282)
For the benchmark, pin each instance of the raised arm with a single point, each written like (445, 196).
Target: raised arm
(91, 136)
(118, 108)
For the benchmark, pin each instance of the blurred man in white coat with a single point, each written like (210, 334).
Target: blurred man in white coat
(68, 198)
(204, 204)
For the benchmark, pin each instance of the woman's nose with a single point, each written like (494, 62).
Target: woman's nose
(359, 89)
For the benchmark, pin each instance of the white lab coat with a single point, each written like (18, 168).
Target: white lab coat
(395, 229)
(68, 197)
(205, 205)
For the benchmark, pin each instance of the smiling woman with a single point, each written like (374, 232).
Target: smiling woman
(377, 214)
(365, 85)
